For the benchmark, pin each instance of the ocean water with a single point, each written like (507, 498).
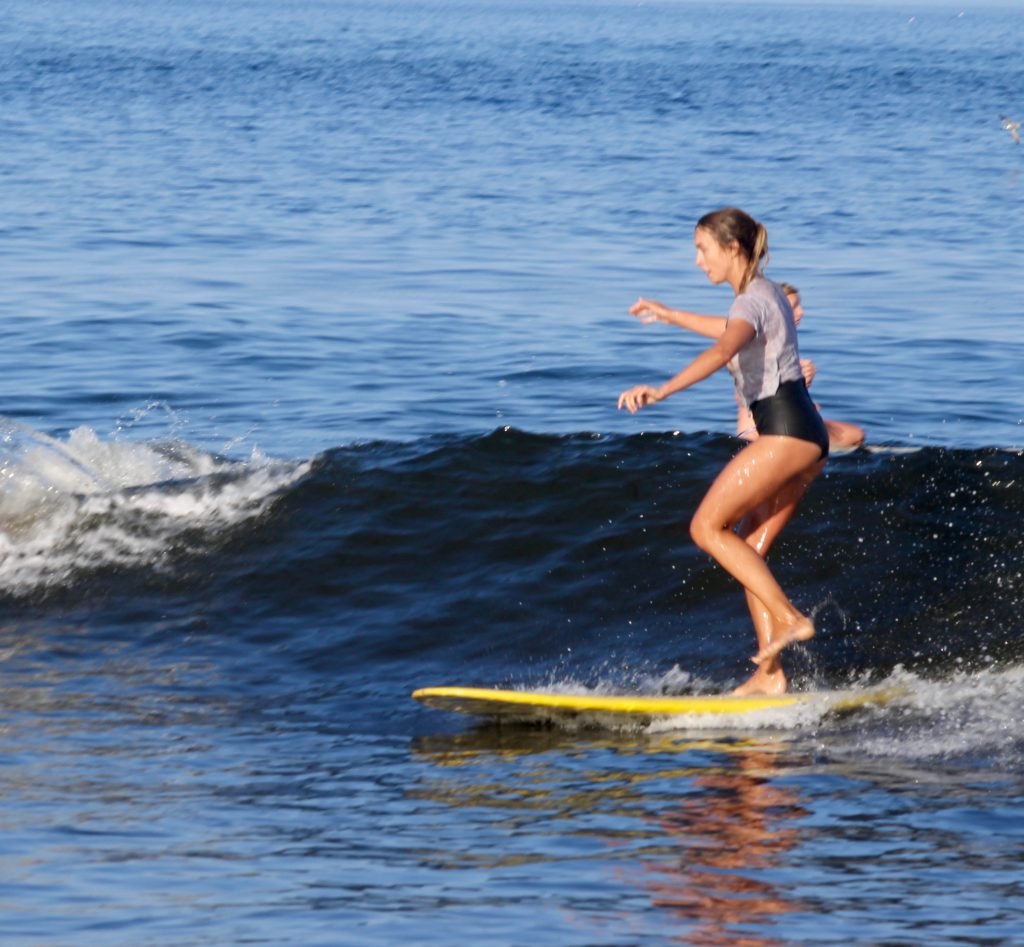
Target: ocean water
(315, 316)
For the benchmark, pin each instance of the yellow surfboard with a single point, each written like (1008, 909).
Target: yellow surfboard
(534, 705)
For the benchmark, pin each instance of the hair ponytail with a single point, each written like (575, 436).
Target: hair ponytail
(729, 225)
(759, 257)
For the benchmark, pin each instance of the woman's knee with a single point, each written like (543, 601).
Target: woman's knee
(703, 532)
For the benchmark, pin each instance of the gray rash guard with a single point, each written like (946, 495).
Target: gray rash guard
(772, 356)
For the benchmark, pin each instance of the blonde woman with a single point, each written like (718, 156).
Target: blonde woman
(758, 491)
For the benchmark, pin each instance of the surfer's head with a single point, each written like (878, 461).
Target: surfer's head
(731, 246)
(793, 295)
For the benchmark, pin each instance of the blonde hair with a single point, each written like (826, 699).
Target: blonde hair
(730, 224)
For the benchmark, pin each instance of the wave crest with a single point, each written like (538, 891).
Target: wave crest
(83, 503)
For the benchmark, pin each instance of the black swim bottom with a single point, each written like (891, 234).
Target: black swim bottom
(791, 413)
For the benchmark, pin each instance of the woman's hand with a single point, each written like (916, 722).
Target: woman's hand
(809, 371)
(648, 311)
(637, 397)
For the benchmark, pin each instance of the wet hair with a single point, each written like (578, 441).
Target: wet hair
(789, 289)
(732, 224)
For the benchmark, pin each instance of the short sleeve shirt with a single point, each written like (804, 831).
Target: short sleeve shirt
(772, 356)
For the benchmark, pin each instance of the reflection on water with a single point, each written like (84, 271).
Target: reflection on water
(739, 824)
(699, 825)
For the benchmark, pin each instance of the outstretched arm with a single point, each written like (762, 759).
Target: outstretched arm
(648, 311)
(737, 334)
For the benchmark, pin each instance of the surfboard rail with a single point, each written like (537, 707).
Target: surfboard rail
(492, 702)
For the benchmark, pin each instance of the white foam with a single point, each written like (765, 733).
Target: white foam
(967, 715)
(798, 716)
(916, 720)
(619, 680)
(87, 503)
(968, 719)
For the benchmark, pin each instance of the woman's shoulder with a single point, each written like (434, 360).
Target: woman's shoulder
(761, 298)
(763, 288)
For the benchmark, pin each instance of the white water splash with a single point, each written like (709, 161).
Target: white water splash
(904, 718)
(972, 714)
(86, 503)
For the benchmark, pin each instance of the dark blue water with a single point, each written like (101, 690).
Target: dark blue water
(315, 318)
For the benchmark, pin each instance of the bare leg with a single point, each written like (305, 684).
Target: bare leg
(843, 434)
(755, 476)
(760, 529)
(769, 678)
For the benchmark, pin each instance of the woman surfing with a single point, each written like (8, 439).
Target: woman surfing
(758, 491)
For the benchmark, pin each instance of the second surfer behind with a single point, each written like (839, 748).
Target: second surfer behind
(758, 491)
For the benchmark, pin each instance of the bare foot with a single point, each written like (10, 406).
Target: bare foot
(764, 682)
(801, 630)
